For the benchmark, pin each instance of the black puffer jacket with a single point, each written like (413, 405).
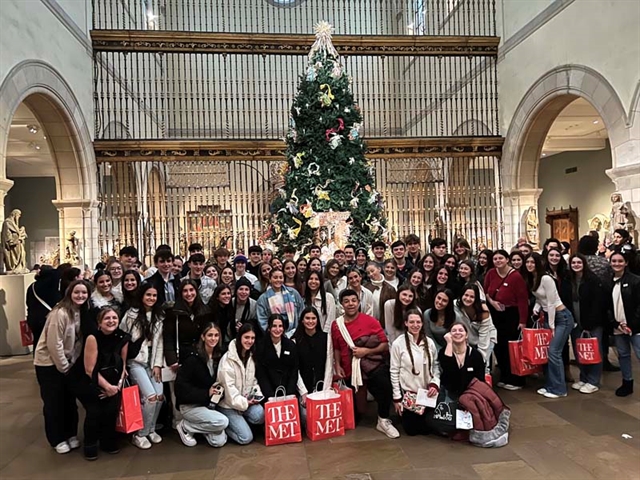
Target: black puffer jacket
(194, 381)
(593, 301)
(630, 292)
(181, 330)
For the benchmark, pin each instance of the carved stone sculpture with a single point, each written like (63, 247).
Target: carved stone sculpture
(13, 248)
(71, 249)
(532, 225)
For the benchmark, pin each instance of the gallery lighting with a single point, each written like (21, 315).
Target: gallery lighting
(32, 128)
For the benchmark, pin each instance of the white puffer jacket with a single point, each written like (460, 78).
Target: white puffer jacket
(238, 381)
(157, 346)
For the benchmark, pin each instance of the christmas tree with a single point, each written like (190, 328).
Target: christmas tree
(326, 167)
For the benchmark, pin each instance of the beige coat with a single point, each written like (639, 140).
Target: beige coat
(61, 341)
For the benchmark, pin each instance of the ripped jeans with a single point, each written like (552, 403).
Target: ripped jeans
(142, 376)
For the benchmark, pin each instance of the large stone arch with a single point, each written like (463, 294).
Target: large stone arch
(535, 114)
(54, 104)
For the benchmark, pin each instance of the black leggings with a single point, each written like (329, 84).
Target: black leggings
(60, 410)
(506, 324)
(100, 421)
(414, 424)
(378, 383)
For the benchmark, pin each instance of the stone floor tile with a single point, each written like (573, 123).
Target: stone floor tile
(451, 472)
(432, 451)
(507, 471)
(357, 457)
(592, 415)
(549, 462)
(525, 415)
(256, 462)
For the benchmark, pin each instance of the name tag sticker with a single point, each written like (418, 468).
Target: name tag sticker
(470, 369)
(286, 352)
(505, 284)
(625, 285)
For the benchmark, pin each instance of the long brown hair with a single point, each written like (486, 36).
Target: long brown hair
(67, 303)
(422, 337)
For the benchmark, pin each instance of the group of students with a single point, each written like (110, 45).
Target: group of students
(224, 342)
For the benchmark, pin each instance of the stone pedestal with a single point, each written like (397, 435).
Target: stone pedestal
(13, 310)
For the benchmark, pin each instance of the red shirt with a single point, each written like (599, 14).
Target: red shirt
(511, 291)
(362, 325)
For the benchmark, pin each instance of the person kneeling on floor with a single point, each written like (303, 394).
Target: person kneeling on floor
(360, 349)
(198, 393)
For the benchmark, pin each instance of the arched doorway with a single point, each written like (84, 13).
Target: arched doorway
(42, 90)
(529, 127)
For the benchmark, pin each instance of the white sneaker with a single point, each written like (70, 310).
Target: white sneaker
(385, 426)
(588, 388)
(541, 391)
(73, 443)
(185, 436)
(154, 437)
(62, 448)
(141, 442)
(500, 384)
(513, 388)
(578, 385)
(553, 395)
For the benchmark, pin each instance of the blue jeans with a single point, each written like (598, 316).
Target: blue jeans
(238, 429)
(554, 370)
(624, 344)
(590, 374)
(210, 423)
(142, 376)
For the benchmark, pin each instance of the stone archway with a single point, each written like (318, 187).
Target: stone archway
(52, 101)
(535, 114)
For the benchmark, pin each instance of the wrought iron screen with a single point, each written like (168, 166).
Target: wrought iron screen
(217, 203)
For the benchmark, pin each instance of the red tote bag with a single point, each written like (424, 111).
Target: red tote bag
(518, 365)
(130, 415)
(324, 415)
(26, 335)
(348, 409)
(282, 419)
(588, 350)
(535, 344)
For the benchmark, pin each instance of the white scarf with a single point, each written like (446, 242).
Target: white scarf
(356, 373)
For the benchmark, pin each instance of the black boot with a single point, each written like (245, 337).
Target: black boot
(625, 389)
(91, 452)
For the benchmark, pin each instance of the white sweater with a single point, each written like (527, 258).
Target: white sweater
(547, 299)
(325, 319)
(402, 377)
(238, 381)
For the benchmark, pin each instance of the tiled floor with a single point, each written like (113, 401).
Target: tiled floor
(579, 437)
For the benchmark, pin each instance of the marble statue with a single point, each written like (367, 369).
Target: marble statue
(71, 249)
(622, 216)
(532, 225)
(617, 216)
(13, 248)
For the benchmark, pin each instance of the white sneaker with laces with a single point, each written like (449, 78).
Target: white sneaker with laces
(62, 448)
(578, 385)
(141, 442)
(386, 426)
(154, 437)
(553, 395)
(541, 391)
(588, 388)
(73, 443)
(185, 436)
